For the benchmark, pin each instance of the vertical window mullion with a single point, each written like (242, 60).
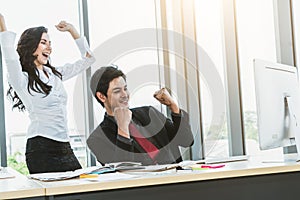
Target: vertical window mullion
(3, 155)
(86, 75)
(284, 32)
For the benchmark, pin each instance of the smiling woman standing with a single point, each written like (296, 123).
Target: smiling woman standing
(36, 86)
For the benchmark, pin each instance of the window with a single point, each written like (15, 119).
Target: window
(195, 42)
(48, 14)
(296, 20)
(132, 39)
(256, 39)
(120, 41)
(209, 32)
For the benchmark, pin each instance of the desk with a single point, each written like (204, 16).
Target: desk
(20, 187)
(237, 180)
(241, 180)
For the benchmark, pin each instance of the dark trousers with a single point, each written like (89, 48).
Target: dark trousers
(46, 155)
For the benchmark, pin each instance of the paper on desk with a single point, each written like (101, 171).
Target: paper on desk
(5, 174)
(115, 176)
(56, 176)
(124, 166)
(165, 167)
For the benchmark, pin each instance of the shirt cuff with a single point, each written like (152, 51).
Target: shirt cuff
(7, 38)
(177, 114)
(124, 139)
(83, 46)
(7, 41)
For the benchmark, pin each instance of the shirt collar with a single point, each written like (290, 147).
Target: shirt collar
(48, 70)
(43, 76)
(110, 117)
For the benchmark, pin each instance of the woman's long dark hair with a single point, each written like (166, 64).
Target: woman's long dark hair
(27, 45)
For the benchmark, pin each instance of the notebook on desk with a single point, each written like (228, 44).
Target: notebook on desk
(226, 159)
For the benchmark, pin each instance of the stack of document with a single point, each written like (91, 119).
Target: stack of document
(56, 176)
(156, 168)
(124, 166)
(112, 167)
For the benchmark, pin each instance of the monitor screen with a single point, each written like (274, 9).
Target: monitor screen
(278, 104)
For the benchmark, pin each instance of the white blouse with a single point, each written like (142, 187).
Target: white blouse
(48, 114)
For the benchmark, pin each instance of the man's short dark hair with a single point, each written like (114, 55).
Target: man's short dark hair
(101, 79)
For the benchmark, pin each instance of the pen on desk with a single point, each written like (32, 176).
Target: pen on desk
(203, 166)
(212, 166)
(88, 176)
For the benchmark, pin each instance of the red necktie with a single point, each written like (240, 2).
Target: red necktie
(144, 142)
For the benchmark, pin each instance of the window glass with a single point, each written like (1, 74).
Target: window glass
(256, 39)
(296, 28)
(128, 39)
(48, 14)
(209, 34)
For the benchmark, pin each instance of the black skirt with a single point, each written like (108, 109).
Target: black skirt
(46, 155)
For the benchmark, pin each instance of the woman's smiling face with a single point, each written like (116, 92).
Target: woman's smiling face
(43, 51)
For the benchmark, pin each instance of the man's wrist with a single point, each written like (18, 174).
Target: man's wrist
(180, 114)
(174, 108)
(123, 133)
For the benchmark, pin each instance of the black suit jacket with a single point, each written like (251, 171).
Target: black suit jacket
(166, 134)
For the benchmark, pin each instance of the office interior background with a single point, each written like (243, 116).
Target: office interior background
(202, 50)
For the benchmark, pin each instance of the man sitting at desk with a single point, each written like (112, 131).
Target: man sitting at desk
(141, 134)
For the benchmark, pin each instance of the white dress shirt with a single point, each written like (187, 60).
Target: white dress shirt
(48, 114)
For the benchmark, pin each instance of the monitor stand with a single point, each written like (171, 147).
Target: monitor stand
(290, 154)
(295, 128)
(285, 157)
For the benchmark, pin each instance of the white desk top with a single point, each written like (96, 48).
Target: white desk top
(231, 170)
(19, 187)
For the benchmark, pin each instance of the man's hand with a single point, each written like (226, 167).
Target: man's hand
(2, 23)
(164, 97)
(65, 26)
(123, 117)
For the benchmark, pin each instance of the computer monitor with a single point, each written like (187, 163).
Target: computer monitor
(278, 105)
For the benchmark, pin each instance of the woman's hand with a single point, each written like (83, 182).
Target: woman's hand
(65, 26)
(2, 23)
